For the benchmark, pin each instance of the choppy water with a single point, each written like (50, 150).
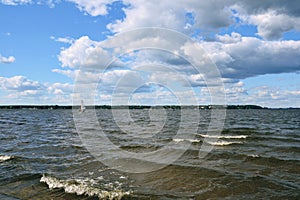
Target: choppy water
(256, 156)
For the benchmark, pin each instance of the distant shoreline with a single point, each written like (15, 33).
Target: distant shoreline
(202, 107)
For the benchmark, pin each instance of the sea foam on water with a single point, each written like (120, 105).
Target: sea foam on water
(79, 187)
(5, 158)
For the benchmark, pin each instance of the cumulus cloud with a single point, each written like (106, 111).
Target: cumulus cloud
(178, 15)
(69, 73)
(262, 95)
(144, 66)
(271, 25)
(7, 60)
(60, 88)
(85, 53)
(272, 17)
(21, 90)
(250, 56)
(274, 97)
(232, 38)
(165, 15)
(19, 83)
(25, 86)
(236, 92)
(283, 6)
(236, 57)
(93, 7)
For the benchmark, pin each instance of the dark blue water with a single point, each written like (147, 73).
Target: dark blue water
(257, 155)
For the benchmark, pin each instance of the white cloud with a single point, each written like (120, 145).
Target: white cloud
(232, 38)
(271, 24)
(84, 53)
(67, 40)
(205, 15)
(7, 60)
(251, 56)
(79, 75)
(272, 17)
(120, 82)
(93, 7)
(235, 92)
(274, 97)
(21, 90)
(263, 95)
(29, 93)
(69, 73)
(237, 58)
(60, 88)
(165, 14)
(50, 3)
(19, 83)
(15, 2)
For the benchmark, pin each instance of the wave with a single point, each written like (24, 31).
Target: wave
(223, 143)
(80, 187)
(253, 155)
(289, 138)
(176, 140)
(225, 136)
(275, 162)
(5, 158)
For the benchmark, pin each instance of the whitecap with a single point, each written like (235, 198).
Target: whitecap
(223, 143)
(225, 136)
(80, 187)
(178, 140)
(194, 140)
(187, 140)
(254, 155)
(5, 158)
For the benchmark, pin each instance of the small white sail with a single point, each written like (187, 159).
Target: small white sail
(82, 107)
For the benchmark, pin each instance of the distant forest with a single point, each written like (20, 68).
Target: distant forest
(52, 107)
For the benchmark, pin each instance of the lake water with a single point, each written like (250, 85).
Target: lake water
(257, 155)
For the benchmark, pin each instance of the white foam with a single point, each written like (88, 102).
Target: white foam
(254, 155)
(79, 187)
(187, 140)
(223, 143)
(5, 158)
(178, 140)
(225, 136)
(194, 140)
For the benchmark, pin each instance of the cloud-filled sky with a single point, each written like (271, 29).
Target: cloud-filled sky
(45, 45)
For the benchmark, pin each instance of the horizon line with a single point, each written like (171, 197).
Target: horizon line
(144, 105)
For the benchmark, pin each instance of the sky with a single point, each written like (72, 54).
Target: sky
(53, 50)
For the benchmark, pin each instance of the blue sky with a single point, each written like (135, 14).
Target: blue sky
(45, 44)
